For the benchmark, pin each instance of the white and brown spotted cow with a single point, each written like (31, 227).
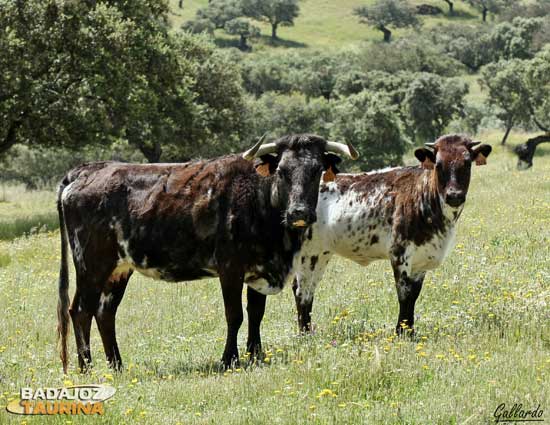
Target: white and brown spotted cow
(407, 215)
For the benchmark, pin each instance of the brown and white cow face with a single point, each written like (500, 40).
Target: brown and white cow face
(451, 158)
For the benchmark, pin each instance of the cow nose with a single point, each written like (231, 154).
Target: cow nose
(300, 216)
(455, 198)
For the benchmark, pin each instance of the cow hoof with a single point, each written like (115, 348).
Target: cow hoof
(404, 331)
(230, 362)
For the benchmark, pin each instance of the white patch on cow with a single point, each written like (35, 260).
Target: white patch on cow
(65, 192)
(431, 254)
(105, 300)
(261, 285)
(126, 262)
(346, 225)
(370, 173)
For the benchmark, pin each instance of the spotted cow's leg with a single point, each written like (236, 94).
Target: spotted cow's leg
(82, 310)
(304, 285)
(105, 317)
(232, 289)
(408, 285)
(256, 309)
(304, 307)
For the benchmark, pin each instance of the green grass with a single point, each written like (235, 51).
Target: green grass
(24, 212)
(325, 24)
(483, 336)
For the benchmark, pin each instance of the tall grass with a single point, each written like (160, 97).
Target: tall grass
(24, 212)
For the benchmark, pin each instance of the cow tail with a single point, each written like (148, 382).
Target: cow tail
(63, 301)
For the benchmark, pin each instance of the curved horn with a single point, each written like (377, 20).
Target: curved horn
(472, 144)
(267, 149)
(430, 145)
(251, 153)
(346, 149)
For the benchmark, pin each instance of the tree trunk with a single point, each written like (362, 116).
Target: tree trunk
(451, 7)
(11, 136)
(387, 33)
(151, 153)
(242, 43)
(274, 31)
(526, 151)
(180, 4)
(506, 134)
(484, 12)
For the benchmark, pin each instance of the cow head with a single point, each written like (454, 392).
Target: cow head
(295, 164)
(451, 158)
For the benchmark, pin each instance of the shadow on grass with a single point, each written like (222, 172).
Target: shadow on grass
(263, 40)
(280, 42)
(461, 15)
(209, 367)
(28, 225)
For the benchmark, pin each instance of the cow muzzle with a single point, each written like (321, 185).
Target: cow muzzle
(300, 217)
(455, 198)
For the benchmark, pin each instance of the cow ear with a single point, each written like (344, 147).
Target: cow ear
(331, 161)
(426, 157)
(329, 175)
(480, 154)
(266, 166)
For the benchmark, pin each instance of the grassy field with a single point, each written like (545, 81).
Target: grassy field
(325, 24)
(23, 212)
(483, 336)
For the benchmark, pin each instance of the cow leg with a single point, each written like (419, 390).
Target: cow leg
(256, 309)
(408, 289)
(303, 306)
(232, 289)
(304, 285)
(105, 317)
(81, 311)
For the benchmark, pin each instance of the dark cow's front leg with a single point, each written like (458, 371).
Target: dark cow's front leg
(105, 317)
(232, 289)
(256, 310)
(304, 307)
(408, 287)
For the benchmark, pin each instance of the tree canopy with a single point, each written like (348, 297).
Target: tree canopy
(110, 70)
(486, 6)
(388, 13)
(275, 12)
(520, 89)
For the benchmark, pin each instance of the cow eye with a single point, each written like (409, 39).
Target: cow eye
(438, 165)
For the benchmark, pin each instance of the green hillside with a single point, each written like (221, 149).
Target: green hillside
(326, 23)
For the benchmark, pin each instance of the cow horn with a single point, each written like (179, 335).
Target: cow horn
(346, 149)
(259, 150)
(472, 144)
(430, 145)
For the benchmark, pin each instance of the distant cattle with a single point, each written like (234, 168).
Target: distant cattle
(407, 215)
(223, 217)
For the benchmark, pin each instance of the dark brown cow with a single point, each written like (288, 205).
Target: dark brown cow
(179, 222)
(407, 215)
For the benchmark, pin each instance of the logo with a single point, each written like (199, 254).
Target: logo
(517, 413)
(73, 400)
